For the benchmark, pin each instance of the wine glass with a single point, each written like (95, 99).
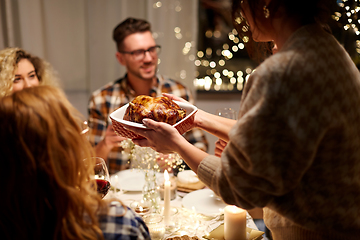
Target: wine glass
(101, 176)
(226, 113)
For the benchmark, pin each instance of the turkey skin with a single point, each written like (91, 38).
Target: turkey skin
(161, 109)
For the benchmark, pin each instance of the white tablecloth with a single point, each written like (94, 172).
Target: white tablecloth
(192, 223)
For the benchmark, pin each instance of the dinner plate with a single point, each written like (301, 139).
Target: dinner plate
(129, 180)
(204, 201)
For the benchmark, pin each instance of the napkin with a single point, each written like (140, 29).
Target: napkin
(187, 181)
(218, 234)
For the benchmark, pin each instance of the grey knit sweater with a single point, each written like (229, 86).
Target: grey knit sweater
(295, 149)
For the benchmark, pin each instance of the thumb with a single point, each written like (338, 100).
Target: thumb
(149, 123)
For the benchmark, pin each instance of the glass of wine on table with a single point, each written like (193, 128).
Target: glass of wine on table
(101, 177)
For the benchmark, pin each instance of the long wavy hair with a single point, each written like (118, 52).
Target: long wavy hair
(10, 57)
(305, 11)
(47, 191)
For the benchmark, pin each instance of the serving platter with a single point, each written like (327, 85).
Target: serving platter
(119, 123)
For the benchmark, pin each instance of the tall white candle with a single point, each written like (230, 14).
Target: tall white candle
(167, 185)
(234, 223)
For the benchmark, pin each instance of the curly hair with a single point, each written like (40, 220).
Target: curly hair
(49, 193)
(10, 57)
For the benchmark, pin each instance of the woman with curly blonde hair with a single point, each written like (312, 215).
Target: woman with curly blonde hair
(20, 69)
(49, 192)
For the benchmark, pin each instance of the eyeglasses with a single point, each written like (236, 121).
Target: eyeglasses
(140, 54)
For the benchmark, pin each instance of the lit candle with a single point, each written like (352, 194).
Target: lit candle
(234, 223)
(173, 190)
(142, 210)
(167, 185)
(142, 207)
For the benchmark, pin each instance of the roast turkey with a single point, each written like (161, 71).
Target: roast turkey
(161, 109)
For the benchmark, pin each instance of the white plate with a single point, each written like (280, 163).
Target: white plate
(132, 180)
(204, 201)
(129, 180)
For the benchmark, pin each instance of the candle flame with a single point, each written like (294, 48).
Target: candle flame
(166, 175)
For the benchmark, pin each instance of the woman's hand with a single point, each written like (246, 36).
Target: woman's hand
(164, 138)
(160, 136)
(175, 98)
(219, 147)
(198, 115)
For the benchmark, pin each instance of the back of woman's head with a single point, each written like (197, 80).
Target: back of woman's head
(10, 57)
(304, 12)
(47, 186)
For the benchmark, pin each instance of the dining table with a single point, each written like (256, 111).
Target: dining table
(196, 213)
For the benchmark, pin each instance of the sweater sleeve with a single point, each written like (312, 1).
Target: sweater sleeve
(271, 146)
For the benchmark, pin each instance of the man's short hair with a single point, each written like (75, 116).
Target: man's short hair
(128, 27)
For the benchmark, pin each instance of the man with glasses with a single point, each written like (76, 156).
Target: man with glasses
(138, 52)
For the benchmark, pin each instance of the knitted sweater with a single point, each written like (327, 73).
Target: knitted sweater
(295, 149)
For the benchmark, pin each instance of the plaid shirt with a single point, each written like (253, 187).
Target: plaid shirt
(116, 94)
(123, 223)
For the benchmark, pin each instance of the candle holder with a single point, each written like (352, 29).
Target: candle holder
(155, 223)
(173, 189)
(173, 224)
(142, 207)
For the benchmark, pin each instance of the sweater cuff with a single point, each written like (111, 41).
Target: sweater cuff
(207, 169)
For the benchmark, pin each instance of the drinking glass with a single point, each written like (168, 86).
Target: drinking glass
(155, 223)
(226, 113)
(101, 176)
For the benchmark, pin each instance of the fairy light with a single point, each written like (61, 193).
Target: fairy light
(145, 158)
(221, 78)
(207, 57)
(348, 15)
(200, 54)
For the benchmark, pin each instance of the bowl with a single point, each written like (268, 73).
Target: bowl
(119, 123)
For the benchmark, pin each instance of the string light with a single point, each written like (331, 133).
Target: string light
(213, 79)
(223, 79)
(348, 17)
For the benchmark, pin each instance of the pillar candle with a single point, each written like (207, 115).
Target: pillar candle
(167, 185)
(173, 190)
(234, 223)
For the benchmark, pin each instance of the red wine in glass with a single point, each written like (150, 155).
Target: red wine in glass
(103, 187)
(101, 175)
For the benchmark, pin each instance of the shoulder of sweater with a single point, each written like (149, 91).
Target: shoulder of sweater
(306, 49)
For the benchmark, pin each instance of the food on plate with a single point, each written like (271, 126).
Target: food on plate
(184, 237)
(161, 109)
(188, 181)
